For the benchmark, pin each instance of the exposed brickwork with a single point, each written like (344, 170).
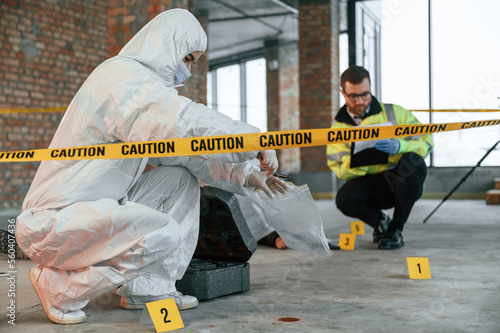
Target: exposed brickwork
(127, 17)
(282, 100)
(318, 60)
(47, 50)
(196, 85)
(272, 87)
(289, 104)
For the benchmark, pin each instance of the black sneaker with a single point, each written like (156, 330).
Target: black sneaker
(392, 240)
(381, 228)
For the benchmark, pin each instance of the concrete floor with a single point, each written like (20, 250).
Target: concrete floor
(365, 290)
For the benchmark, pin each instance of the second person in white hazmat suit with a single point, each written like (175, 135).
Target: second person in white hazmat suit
(95, 225)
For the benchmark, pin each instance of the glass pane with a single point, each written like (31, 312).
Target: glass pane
(465, 147)
(228, 91)
(256, 93)
(343, 59)
(209, 90)
(405, 53)
(370, 35)
(466, 71)
(423, 117)
(466, 75)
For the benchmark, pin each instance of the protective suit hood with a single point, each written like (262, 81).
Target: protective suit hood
(130, 98)
(162, 43)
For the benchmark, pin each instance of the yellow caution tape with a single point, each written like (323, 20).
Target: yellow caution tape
(236, 143)
(38, 110)
(63, 108)
(457, 110)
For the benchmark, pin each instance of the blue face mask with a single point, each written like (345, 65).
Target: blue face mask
(182, 73)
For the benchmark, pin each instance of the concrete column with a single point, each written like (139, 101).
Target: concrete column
(282, 98)
(272, 85)
(319, 85)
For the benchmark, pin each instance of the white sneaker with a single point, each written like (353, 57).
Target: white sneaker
(183, 302)
(57, 315)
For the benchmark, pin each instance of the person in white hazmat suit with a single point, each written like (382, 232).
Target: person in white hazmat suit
(95, 225)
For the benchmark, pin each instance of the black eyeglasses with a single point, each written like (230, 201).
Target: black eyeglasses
(363, 96)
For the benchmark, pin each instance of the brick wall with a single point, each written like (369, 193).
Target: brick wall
(282, 99)
(47, 50)
(289, 104)
(318, 60)
(272, 86)
(127, 17)
(124, 19)
(196, 86)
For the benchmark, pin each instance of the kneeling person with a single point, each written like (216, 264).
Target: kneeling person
(374, 184)
(93, 226)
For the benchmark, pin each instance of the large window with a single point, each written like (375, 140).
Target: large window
(239, 91)
(256, 101)
(367, 44)
(228, 97)
(405, 53)
(465, 74)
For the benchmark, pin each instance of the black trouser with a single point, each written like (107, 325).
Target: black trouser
(364, 197)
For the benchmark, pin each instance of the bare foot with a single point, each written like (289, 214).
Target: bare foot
(280, 245)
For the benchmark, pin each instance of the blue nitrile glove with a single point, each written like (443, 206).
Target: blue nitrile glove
(389, 146)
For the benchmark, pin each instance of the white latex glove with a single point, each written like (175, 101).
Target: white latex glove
(268, 161)
(270, 185)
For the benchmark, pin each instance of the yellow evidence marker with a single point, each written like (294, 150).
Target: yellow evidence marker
(165, 315)
(347, 241)
(418, 267)
(358, 228)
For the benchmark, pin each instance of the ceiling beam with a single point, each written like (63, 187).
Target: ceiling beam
(245, 55)
(286, 6)
(237, 10)
(238, 18)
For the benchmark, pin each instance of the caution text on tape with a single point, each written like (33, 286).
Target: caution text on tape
(236, 143)
(63, 108)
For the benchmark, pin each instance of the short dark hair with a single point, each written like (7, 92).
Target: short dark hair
(355, 75)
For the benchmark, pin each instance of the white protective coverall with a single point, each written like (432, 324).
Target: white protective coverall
(97, 224)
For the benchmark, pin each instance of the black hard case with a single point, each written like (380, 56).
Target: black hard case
(219, 266)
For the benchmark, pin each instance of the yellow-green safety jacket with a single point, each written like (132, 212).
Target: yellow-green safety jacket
(339, 154)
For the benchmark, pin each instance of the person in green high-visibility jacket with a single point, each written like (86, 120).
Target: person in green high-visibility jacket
(383, 174)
